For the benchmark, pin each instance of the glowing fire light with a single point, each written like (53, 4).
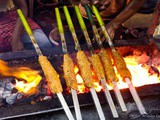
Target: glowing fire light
(140, 74)
(21, 86)
(81, 87)
(97, 87)
(30, 78)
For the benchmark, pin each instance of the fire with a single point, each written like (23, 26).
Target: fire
(139, 70)
(98, 88)
(30, 78)
(140, 74)
(81, 87)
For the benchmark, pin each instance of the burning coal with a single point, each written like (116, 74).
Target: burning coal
(26, 79)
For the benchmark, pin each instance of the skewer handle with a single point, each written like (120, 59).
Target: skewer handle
(25, 23)
(101, 23)
(80, 19)
(61, 30)
(76, 104)
(95, 30)
(83, 27)
(136, 97)
(89, 14)
(98, 16)
(65, 106)
(71, 27)
(29, 31)
(68, 18)
(97, 104)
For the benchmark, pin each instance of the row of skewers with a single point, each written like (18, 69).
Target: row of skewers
(96, 61)
(104, 72)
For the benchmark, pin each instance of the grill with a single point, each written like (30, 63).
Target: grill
(29, 106)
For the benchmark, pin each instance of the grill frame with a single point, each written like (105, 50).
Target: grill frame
(15, 111)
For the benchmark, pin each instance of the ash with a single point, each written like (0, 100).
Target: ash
(7, 93)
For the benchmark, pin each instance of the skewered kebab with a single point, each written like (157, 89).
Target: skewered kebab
(95, 60)
(120, 64)
(109, 70)
(96, 63)
(68, 67)
(52, 76)
(84, 65)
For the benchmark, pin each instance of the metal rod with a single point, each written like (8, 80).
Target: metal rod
(76, 104)
(109, 99)
(119, 96)
(136, 97)
(97, 104)
(65, 106)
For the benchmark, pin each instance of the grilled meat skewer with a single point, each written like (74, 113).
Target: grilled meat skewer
(108, 66)
(51, 76)
(95, 58)
(120, 64)
(85, 69)
(83, 62)
(69, 74)
(97, 66)
(68, 67)
(107, 72)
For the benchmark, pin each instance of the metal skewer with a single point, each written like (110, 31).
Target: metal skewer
(95, 30)
(93, 92)
(28, 30)
(119, 96)
(64, 47)
(107, 93)
(131, 87)
(136, 97)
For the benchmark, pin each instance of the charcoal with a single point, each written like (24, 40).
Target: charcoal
(6, 94)
(1, 93)
(9, 86)
(47, 98)
(2, 84)
(11, 99)
(19, 95)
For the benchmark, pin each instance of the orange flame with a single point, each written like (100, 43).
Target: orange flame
(31, 77)
(81, 87)
(140, 74)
